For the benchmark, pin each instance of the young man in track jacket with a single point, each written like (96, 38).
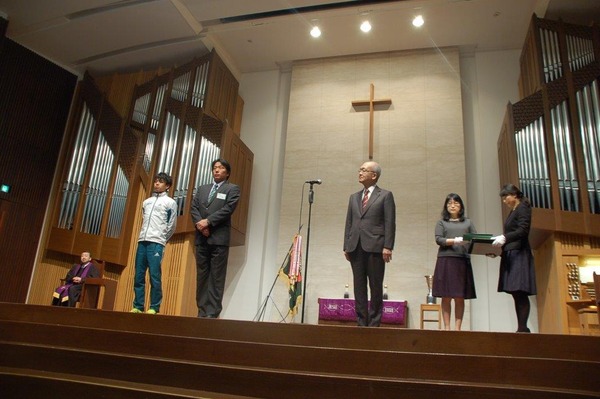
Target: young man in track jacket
(158, 225)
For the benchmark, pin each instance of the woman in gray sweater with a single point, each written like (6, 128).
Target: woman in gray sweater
(453, 275)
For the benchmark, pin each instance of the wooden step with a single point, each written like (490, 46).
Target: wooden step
(257, 359)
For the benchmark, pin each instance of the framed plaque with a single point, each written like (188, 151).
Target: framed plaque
(481, 244)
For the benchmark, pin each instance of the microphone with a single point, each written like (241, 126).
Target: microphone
(317, 181)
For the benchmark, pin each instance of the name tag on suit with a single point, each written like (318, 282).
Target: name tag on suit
(221, 196)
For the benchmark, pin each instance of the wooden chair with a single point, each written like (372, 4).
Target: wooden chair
(90, 292)
(428, 308)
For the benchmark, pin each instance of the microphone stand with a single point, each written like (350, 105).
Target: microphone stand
(311, 194)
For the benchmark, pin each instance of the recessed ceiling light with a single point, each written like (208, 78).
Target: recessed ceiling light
(365, 26)
(315, 31)
(418, 21)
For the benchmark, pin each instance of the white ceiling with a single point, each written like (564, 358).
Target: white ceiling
(105, 36)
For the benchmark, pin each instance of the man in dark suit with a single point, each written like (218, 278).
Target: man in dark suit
(211, 212)
(368, 242)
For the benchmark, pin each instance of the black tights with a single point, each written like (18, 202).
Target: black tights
(522, 307)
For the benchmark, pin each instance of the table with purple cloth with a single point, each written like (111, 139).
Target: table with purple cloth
(341, 311)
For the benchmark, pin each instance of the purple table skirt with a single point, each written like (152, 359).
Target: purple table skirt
(394, 312)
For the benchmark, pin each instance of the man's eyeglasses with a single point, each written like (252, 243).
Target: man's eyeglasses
(363, 170)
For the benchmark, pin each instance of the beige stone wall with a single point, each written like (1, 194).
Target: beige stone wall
(419, 144)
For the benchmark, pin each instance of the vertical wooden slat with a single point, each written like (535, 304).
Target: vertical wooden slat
(34, 105)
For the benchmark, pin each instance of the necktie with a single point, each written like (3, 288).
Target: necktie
(365, 199)
(213, 191)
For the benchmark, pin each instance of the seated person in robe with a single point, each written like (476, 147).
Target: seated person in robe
(68, 294)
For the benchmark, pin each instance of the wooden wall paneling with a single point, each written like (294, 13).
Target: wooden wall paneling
(222, 91)
(237, 156)
(593, 225)
(241, 159)
(596, 41)
(171, 275)
(239, 112)
(245, 206)
(507, 152)
(531, 77)
(543, 224)
(34, 106)
(124, 299)
(551, 309)
(557, 310)
(3, 27)
(121, 91)
(179, 277)
(52, 267)
(231, 98)
(215, 84)
(187, 293)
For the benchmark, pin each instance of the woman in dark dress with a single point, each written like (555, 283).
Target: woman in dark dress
(453, 275)
(517, 272)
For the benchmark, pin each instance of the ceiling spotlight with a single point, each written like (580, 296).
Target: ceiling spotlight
(418, 21)
(365, 26)
(315, 31)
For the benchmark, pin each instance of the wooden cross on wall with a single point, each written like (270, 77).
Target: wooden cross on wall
(371, 103)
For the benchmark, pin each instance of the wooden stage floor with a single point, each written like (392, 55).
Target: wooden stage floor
(56, 352)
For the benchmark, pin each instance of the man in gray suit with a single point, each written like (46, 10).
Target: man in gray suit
(211, 212)
(368, 242)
